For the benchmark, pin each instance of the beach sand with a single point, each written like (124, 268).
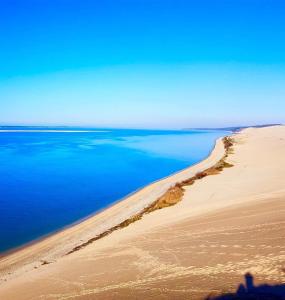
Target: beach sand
(225, 225)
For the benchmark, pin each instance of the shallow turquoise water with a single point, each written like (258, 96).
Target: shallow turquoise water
(51, 179)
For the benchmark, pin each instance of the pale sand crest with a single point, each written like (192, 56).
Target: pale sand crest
(226, 225)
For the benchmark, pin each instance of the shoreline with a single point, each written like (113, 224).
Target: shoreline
(94, 214)
(153, 190)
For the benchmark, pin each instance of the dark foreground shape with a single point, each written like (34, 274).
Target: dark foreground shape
(249, 291)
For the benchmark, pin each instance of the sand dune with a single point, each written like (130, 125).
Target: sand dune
(226, 225)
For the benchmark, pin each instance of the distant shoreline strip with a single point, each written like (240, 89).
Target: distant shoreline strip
(47, 130)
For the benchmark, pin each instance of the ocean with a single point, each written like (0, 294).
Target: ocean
(53, 177)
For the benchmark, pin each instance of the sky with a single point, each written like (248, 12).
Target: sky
(142, 63)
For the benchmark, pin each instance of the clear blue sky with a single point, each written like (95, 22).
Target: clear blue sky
(142, 63)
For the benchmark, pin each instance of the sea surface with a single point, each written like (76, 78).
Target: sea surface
(53, 177)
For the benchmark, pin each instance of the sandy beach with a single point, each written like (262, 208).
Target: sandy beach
(226, 224)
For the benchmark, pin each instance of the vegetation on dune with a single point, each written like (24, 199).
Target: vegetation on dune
(172, 196)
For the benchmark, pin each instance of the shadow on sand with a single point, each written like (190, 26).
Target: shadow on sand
(249, 291)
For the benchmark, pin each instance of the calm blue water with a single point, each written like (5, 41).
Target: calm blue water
(51, 179)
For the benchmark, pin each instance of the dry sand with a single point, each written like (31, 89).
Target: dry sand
(225, 225)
